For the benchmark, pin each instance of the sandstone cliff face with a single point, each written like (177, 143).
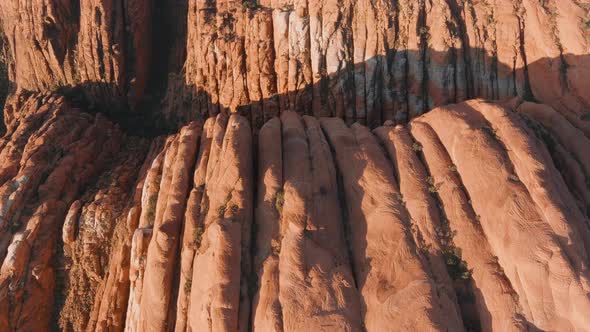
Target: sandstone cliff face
(371, 61)
(366, 61)
(197, 165)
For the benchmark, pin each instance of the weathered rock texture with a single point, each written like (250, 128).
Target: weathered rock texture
(199, 165)
(371, 61)
(366, 61)
(472, 216)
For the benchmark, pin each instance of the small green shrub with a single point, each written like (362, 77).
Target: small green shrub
(275, 247)
(221, 211)
(198, 237)
(188, 285)
(491, 131)
(513, 178)
(424, 32)
(456, 266)
(425, 248)
(251, 4)
(432, 186)
(417, 147)
(15, 226)
(279, 199)
(490, 19)
(445, 234)
(288, 8)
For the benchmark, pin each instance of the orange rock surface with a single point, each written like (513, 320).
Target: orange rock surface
(289, 165)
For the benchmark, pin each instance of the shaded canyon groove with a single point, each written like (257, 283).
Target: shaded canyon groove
(293, 165)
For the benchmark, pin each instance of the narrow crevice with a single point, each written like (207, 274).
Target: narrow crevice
(311, 192)
(423, 32)
(406, 86)
(344, 210)
(551, 10)
(390, 57)
(461, 29)
(5, 85)
(129, 55)
(280, 196)
(494, 70)
(60, 264)
(520, 13)
(454, 63)
(350, 83)
(99, 43)
(252, 281)
(457, 268)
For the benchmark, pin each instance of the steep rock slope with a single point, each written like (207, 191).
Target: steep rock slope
(459, 220)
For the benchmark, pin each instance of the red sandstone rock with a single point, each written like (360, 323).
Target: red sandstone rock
(386, 259)
(35, 200)
(496, 306)
(161, 254)
(193, 226)
(497, 193)
(159, 169)
(448, 224)
(302, 252)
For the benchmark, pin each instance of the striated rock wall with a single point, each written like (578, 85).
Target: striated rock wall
(365, 61)
(102, 46)
(371, 61)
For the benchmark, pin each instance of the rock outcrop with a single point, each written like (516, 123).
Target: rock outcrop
(365, 61)
(461, 219)
(198, 165)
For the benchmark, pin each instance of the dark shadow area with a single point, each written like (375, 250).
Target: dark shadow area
(117, 110)
(4, 80)
(398, 84)
(399, 97)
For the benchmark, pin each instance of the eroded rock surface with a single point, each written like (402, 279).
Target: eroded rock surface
(365, 61)
(198, 165)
